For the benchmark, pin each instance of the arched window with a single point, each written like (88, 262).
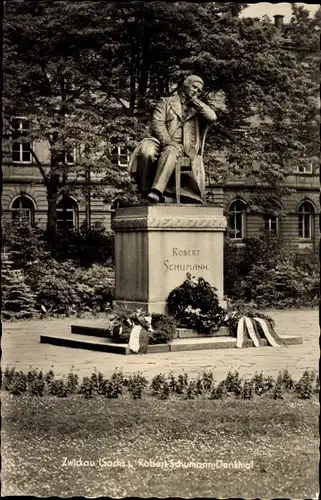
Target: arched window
(237, 220)
(23, 210)
(306, 211)
(67, 214)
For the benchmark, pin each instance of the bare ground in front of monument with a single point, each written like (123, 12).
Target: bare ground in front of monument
(187, 448)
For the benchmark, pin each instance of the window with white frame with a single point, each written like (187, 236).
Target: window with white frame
(305, 211)
(271, 223)
(122, 156)
(67, 157)
(23, 210)
(67, 214)
(20, 151)
(237, 220)
(306, 167)
(70, 157)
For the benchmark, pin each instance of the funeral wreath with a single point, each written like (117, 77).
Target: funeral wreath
(195, 304)
(160, 327)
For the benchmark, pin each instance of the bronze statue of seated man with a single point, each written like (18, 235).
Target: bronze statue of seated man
(177, 127)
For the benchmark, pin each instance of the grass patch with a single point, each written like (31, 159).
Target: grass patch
(40, 435)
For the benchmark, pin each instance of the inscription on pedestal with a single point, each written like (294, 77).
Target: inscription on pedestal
(175, 262)
(170, 241)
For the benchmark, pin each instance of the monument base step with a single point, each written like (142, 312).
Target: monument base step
(104, 344)
(181, 332)
(188, 333)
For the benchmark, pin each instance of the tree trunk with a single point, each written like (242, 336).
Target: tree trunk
(132, 98)
(88, 195)
(144, 68)
(52, 196)
(52, 186)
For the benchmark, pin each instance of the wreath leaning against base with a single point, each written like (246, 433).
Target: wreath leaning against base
(160, 328)
(195, 305)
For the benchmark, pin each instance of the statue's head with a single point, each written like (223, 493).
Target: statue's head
(192, 86)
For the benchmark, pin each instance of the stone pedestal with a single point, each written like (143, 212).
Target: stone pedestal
(157, 245)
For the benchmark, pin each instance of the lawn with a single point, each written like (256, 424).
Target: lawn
(110, 447)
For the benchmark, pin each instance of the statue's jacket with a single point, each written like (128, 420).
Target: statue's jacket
(169, 124)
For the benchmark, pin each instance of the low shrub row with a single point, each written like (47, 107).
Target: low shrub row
(37, 383)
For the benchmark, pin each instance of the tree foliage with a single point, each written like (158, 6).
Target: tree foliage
(46, 84)
(89, 74)
(305, 31)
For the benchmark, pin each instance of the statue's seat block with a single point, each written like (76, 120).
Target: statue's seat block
(157, 245)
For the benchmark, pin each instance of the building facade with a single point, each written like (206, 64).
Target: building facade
(24, 195)
(297, 221)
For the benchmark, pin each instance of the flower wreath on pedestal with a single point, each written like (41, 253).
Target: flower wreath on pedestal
(139, 329)
(194, 304)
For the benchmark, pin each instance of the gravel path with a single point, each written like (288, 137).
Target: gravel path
(21, 349)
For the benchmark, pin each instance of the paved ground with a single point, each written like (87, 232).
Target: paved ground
(21, 348)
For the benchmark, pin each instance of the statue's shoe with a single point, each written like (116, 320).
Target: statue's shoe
(153, 198)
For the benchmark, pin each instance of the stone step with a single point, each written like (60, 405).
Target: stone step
(182, 333)
(97, 344)
(90, 330)
(188, 344)
(188, 333)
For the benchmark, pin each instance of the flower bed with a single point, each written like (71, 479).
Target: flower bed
(204, 386)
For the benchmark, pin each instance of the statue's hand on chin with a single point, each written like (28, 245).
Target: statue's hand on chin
(196, 103)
